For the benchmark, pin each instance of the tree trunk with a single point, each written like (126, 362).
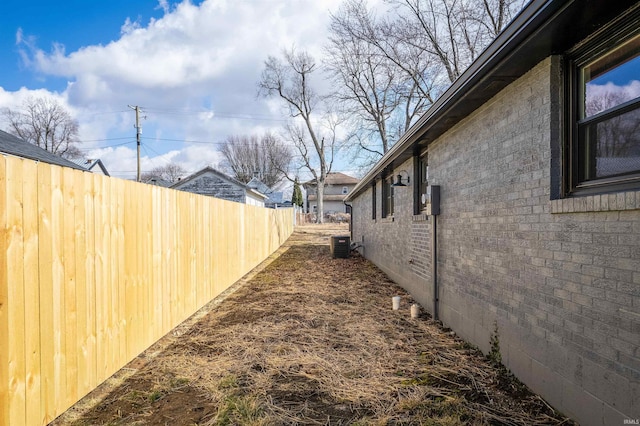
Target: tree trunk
(320, 201)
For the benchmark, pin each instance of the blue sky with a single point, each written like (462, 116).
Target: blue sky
(73, 23)
(192, 67)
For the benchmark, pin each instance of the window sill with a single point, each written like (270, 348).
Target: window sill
(629, 200)
(388, 219)
(422, 217)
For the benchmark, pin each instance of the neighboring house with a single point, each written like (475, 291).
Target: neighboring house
(276, 198)
(159, 182)
(94, 166)
(538, 237)
(337, 186)
(209, 181)
(12, 145)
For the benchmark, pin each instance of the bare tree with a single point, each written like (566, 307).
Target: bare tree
(427, 39)
(266, 158)
(45, 123)
(388, 70)
(313, 136)
(170, 172)
(420, 70)
(454, 32)
(380, 98)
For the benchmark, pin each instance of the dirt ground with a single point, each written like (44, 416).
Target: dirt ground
(306, 339)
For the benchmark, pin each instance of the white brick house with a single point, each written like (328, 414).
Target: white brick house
(538, 231)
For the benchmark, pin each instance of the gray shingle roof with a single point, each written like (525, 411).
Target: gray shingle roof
(90, 164)
(335, 178)
(12, 145)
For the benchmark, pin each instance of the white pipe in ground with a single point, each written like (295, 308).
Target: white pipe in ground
(395, 300)
(415, 310)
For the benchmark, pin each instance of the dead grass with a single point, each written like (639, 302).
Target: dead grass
(312, 340)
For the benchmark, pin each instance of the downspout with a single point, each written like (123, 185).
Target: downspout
(434, 265)
(433, 208)
(349, 209)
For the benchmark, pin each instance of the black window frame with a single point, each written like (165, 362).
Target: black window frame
(420, 181)
(373, 200)
(387, 196)
(575, 156)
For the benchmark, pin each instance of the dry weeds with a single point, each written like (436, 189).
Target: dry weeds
(312, 340)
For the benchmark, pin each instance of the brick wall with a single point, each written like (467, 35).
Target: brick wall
(561, 278)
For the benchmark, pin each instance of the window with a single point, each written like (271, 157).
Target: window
(604, 131)
(345, 190)
(373, 199)
(387, 196)
(420, 183)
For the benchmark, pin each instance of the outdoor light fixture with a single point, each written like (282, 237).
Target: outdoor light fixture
(401, 180)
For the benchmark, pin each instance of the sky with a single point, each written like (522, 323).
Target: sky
(192, 67)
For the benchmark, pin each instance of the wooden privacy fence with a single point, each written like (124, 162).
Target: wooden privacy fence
(93, 270)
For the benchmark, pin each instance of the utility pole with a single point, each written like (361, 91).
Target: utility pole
(138, 133)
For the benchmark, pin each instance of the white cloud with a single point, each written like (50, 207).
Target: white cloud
(194, 70)
(164, 5)
(129, 26)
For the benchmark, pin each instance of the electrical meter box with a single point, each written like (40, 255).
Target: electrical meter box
(433, 200)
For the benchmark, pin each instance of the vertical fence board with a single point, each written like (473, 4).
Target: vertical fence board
(173, 258)
(203, 281)
(156, 262)
(183, 201)
(129, 247)
(4, 297)
(82, 385)
(89, 334)
(215, 234)
(116, 322)
(132, 254)
(15, 307)
(165, 261)
(58, 290)
(103, 300)
(208, 249)
(191, 232)
(45, 270)
(146, 265)
(70, 308)
(141, 284)
(116, 253)
(31, 291)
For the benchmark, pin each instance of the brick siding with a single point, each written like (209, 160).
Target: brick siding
(561, 278)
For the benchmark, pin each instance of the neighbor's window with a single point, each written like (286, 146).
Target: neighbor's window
(345, 190)
(387, 196)
(604, 143)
